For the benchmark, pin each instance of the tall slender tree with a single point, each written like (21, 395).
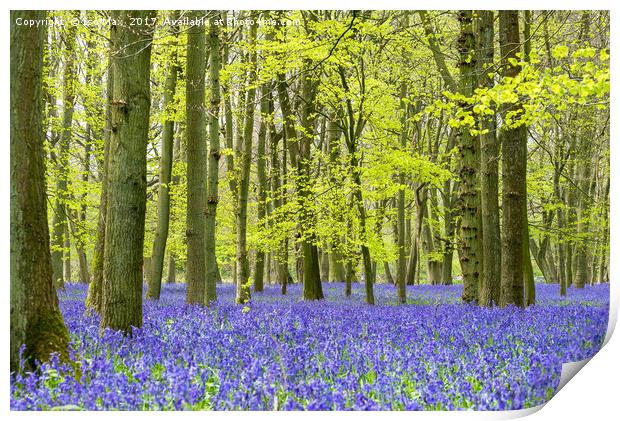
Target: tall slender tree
(243, 154)
(514, 159)
(214, 158)
(165, 169)
(196, 160)
(94, 296)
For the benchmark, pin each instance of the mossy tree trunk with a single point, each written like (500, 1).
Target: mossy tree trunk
(470, 244)
(126, 207)
(36, 321)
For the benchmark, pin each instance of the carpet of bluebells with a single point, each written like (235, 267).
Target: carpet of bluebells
(282, 353)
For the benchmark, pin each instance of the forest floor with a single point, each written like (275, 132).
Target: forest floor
(279, 352)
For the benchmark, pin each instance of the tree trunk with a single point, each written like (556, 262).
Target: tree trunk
(196, 162)
(349, 277)
(312, 289)
(214, 160)
(165, 171)
(124, 232)
(259, 264)
(243, 155)
(94, 297)
(401, 272)
(229, 138)
(388, 273)
(514, 159)
(67, 253)
(172, 270)
(36, 321)
(489, 181)
(79, 249)
(325, 267)
(470, 245)
(583, 231)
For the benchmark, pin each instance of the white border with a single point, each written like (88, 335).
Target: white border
(591, 395)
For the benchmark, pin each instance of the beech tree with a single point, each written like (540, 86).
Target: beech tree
(126, 202)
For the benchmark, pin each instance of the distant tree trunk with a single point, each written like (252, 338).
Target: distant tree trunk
(124, 232)
(348, 278)
(146, 269)
(449, 230)
(489, 181)
(60, 238)
(196, 161)
(528, 271)
(283, 272)
(354, 130)
(79, 249)
(165, 170)
(269, 277)
(36, 321)
(336, 266)
(401, 273)
(470, 245)
(67, 253)
(300, 155)
(229, 138)
(94, 297)
(448, 190)
(172, 270)
(414, 254)
(603, 273)
(388, 273)
(325, 267)
(259, 264)
(433, 267)
(571, 202)
(334, 133)
(582, 275)
(165, 173)
(514, 160)
(214, 160)
(244, 158)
